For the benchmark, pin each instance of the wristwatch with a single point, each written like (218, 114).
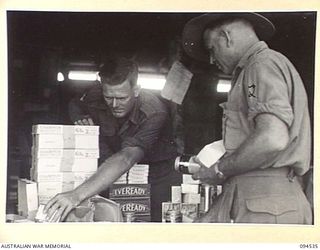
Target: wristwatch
(218, 173)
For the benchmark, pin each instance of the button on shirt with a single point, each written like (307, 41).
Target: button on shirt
(265, 81)
(148, 125)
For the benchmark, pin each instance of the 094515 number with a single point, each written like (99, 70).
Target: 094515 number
(308, 246)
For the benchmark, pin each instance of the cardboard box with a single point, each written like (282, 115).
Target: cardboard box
(140, 167)
(129, 191)
(176, 194)
(166, 206)
(43, 199)
(48, 189)
(191, 198)
(77, 153)
(62, 176)
(141, 206)
(65, 141)
(65, 164)
(211, 153)
(137, 182)
(187, 179)
(65, 129)
(189, 188)
(27, 198)
(189, 212)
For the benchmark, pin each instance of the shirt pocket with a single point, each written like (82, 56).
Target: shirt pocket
(232, 128)
(283, 209)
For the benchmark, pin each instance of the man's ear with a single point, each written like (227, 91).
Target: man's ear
(136, 90)
(226, 35)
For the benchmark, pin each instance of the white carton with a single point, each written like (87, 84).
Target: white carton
(176, 194)
(187, 179)
(189, 188)
(48, 189)
(65, 129)
(189, 212)
(65, 164)
(27, 198)
(211, 153)
(64, 153)
(62, 176)
(191, 198)
(65, 141)
(140, 167)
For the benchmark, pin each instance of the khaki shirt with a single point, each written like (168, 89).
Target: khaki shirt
(265, 81)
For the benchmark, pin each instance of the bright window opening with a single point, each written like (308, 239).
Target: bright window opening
(60, 77)
(151, 81)
(83, 75)
(223, 86)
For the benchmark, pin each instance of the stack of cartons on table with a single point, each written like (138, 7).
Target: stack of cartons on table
(132, 192)
(63, 157)
(185, 200)
(193, 198)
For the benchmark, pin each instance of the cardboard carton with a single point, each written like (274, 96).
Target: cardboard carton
(176, 194)
(189, 188)
(141, 206)
(77, 153)
(65, 164)
(129, 190)
(65, 129)
(191, 198)
(65, 141)
(27, 198)
(62, 176)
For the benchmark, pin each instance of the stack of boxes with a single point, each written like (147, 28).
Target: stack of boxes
(63, 157)
(185, 200)
(132, 192)
(192, 198)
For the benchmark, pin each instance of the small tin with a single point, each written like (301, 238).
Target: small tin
(173, 216)
(184, 165)
(129, 217)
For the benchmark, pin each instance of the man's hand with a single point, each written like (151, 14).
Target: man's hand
(86, 120)
(205, 174)
(59, 206)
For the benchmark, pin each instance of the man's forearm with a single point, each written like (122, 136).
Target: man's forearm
(260, 149)
(109, 171)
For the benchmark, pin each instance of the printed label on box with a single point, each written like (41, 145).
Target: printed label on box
(169, 206)
(65, 141)
(138, 206)
(129, 190)
(189, 212)
(64, 153)
(65, 129)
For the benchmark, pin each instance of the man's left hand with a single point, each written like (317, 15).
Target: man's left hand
(207, 175)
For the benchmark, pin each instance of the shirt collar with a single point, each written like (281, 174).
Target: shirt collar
(254, 49)
(134, 115)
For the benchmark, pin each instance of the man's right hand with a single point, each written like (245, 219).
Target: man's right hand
(59, 206)
(86, 120)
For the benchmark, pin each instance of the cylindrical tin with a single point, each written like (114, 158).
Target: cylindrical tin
(185, 166)
(173, 216)
(206, 192)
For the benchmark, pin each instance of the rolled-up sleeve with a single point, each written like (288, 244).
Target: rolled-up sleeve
(267, 91)
(147, 133)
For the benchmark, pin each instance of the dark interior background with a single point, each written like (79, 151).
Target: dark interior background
(41, 43)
